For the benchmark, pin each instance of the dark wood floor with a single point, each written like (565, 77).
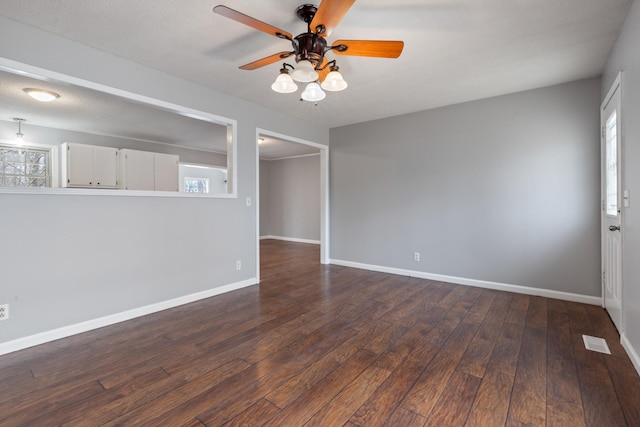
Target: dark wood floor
(330, 346)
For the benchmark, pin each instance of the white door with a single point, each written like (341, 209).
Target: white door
(612, 205)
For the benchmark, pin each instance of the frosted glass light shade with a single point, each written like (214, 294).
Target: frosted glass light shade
(334, 82)
(284, 84)
(313, 93)
(41, 94)
(304, 72)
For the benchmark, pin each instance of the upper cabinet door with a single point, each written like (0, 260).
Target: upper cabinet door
(137, 170)
(105, 167)
(79, 165)
(166, 172)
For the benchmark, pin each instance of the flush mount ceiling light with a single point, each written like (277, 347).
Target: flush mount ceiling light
(19, 135)
(309, 48)
(41, 95)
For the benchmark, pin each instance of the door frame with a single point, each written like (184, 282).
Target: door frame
(616, 86)
(324, 193)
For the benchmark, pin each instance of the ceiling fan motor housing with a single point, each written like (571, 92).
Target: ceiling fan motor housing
(311, 47)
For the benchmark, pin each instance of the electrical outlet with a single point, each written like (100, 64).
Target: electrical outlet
(4, 311)
(416, 256)
(238, 265)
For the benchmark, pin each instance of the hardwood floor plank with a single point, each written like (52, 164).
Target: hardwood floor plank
(305, 406)
(426, 391)
(564, 403)
(455, 401)
(537, 313)
(153, 400)
(384, 401)
(560, 344)
(83, 411)
(506, 351)
(25, 408)
(300, 384)
(627, 387)
(528, 397)
(331, 345)
(226, 400)
(491, 405)
(601, 405)
(255, 415)
(475, 359)
(343, 406)
(405, 418)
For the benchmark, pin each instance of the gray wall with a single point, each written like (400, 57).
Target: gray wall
(625, 57)
(75, 258)
(504, 189)
(265, 200)
(290, 193)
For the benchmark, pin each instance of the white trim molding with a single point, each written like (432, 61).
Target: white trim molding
(548, 293)
(291, 239)
(633, 355)
(78, 328)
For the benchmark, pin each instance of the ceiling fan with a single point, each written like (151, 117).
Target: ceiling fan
(310, 48)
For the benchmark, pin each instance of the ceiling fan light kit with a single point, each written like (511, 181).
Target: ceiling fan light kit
(284, 83)
(334, 82)
(309, 49)
(305, 72)
(313, 93)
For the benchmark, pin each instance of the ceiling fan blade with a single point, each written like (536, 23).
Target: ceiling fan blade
(373, 48)
(329, 15)
(266, 61)
(322, 73)
(252, 22)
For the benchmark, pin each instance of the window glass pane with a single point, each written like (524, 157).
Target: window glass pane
(196, 185)
(611, 165)
(24, 167)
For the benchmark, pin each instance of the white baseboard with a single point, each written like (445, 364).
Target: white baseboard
(633, 355)
(291, 239)
(566, 296)
(66, 331)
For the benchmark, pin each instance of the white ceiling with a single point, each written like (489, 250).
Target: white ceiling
(455, 50)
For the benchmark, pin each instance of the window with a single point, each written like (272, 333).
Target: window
(196, 185)
(24, 167)
(202, 179)
(611, 166)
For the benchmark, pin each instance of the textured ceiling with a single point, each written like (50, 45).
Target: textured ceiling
(89, 111)
(455, 50)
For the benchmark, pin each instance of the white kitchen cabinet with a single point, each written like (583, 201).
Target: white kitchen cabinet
(144, 170)
(89, 166)
(166, 172)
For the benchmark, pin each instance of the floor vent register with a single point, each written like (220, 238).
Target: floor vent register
(596, 344)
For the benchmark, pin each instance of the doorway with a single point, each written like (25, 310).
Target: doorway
(311, 160)
(612, 203)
